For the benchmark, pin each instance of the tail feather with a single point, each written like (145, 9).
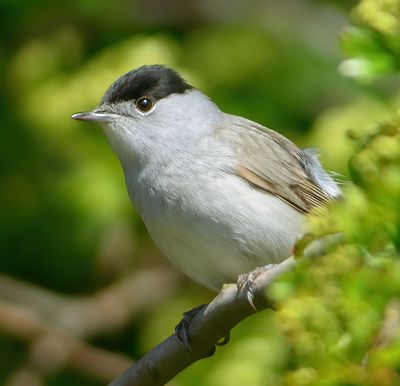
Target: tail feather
(327, 181)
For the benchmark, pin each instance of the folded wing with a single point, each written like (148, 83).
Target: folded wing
(269, 161)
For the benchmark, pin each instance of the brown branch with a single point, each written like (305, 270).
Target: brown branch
(112, 308)
(210, 325)
(25, 376)
(54, 325)
(52, 348)
(108, 310)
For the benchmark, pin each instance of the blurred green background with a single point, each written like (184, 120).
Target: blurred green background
(323, 73)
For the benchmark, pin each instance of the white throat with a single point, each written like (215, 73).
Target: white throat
(175, 123)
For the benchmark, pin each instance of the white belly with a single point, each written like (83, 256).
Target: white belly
(214, 234)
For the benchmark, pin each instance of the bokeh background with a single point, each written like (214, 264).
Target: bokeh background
(83, 290)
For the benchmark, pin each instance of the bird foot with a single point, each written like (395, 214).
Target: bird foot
(245, 282)
(182, 328)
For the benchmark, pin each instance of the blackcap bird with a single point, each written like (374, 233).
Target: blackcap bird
(218, 193)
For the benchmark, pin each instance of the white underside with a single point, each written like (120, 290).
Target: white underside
(223, 229)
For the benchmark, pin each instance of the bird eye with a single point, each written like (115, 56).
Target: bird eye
(144, 104)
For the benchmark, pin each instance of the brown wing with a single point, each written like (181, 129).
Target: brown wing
(272, 163)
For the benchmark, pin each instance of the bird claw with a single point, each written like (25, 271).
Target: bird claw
(182, 328)
(245, 282)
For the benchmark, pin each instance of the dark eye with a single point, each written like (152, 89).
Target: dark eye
(144, 104)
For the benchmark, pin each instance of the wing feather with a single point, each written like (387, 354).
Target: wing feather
(272, 163)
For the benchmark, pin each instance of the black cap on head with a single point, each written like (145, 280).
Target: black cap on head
(154, 81)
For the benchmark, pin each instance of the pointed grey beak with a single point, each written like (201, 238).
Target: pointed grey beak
(95, 115)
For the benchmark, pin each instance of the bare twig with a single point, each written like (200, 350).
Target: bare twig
(210, 325)
(25, 376)
(54, 325)
(108, 310)
(52, 348)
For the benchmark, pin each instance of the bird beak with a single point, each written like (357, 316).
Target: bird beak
(95, 115)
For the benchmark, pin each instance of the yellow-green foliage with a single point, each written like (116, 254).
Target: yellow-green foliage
(337, 312)
(332, 307)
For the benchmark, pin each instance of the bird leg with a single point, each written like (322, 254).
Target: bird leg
(245, 282)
